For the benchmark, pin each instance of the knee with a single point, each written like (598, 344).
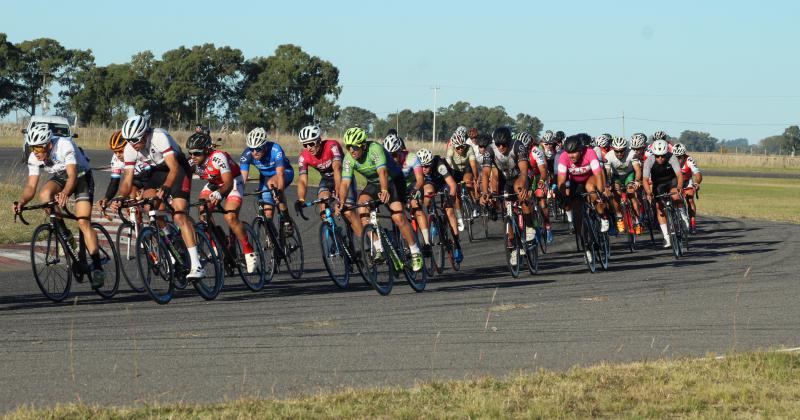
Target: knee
(45, 195)
(231, 218)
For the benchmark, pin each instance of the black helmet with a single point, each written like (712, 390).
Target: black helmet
(560, 135)
(198, 141)
(574, 143)
(585, 139)
(502, 136)
(391, 131)
(483, 140)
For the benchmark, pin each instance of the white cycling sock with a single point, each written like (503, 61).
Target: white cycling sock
(619, 216)
(458, 214)
(425, 236)
(378, 245)
(569, 215)
(664, 230)
(414, 248)
(194, 257)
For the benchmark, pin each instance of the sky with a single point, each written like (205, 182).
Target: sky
(729, 68)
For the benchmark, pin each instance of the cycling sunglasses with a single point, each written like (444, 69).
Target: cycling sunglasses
(197, 152)
(257, 149)
(39, 149)
(309, 145)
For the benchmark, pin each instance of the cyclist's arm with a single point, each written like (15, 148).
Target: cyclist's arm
(227, 182)
(486, 172)
(126, 184)
(419, 179)
(113, 187)
(279, 174)
(383, 178)
(523, 166)
(637, 170)
(451, 183)
(342, 189)
(698, 178)
(337, 174)
(302, 182)
(30, 190)
(72, 179)
(174, 168)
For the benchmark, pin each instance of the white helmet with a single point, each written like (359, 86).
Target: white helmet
(547, 138)
(638, 141)
(39, 135)
(425, 157)
(392, 143)
(461, 130)
(308, 134)
(679, 149)
(457, 140)
(619, 143)
(660, 148)
(659, 135)
(525, 138)
(602, 140)
(256, 137)
(135, 128)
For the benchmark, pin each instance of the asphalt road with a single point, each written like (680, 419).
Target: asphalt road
(737, 289)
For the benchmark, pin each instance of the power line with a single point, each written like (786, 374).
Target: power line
(712, 123)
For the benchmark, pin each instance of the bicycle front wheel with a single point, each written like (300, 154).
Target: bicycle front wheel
(333, 256)
(376, 261)
(255, 280)
(267, 244)
(126, 248)
(416, 279)
(586, 238)
(293, 251)
(513, 253)
(52, 267)
(208, 287)
(109, 261)
(154, 263)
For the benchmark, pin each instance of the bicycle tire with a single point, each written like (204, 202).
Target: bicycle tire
(254, 281)
(292, 245)
(437, 250)
(126, 248)
(182, 269)
(418, 280)
(333, 255)
(512, 268)
(153, 260)
(109, 260)
(467, 214)
(380, 280)
(589, 247)
(448, 239)
(671, 233)
(54, 285)
(209, 286)
(542, 238)
(267, 248)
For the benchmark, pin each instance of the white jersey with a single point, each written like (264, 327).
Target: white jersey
(477, 150)
(118, 168)
(161, 144)
(64, 152)
(619, 167)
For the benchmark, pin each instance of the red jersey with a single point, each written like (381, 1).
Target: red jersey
(217, 163)
(689, 167)
(329, 152)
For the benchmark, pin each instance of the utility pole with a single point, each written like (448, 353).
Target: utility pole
(623, 124)
(397, 122)
(435, 93)
(196, 112)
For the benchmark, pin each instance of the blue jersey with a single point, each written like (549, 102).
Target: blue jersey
(272, 159)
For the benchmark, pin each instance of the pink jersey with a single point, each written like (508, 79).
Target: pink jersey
(330, 151)
(581, 172)
(217, 163)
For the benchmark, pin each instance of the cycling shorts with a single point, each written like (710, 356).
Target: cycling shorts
(84, 187)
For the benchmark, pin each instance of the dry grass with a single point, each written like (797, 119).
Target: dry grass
(752, 198)
(739, 385)
(742, 162)
(12, 232)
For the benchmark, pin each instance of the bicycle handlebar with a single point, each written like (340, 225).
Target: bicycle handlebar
(50, 204)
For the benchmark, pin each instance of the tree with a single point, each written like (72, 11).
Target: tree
(96, 95)
(293, 85)
(772, 144)
(698, 141)
(8, 86)
(528, 123)
(792, 136)
(353, 116)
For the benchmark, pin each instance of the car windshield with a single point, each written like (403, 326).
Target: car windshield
(60, 130)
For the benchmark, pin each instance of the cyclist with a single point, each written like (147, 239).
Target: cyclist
(70, 175)
(439, 177)
(141, 171)
(326, 157)
(415, 182)
(662, 174)
(460, 159)
(274, 172)
(472, 141)
(169, 177)
(224, 182)
(510, 158)
(691, 181)
(537, 172)
(602, 146)
(624, 169)
(385, 182)
(580, 166)
(658, 135)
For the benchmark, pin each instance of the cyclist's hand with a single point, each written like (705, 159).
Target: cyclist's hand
(383, 196)
(299, 205)
(17, 207)
(214, 198)
(607, 192)
(102, 204)
(61, 199)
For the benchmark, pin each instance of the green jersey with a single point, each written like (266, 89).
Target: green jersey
(374, 158)
(458, 162)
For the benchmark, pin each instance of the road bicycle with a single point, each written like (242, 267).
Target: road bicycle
(517, 244)
(470, 211)
(677, 228)
(57, 259)
(279, 244)
(595, 244)
(441, 233)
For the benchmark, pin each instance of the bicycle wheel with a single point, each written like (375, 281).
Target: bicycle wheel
(267, 244)
(466, 213)
(379, 273)
(293, 251)
(336, 262)
(542, 238)
(627, 221)
(512, 252)
(434, 239)
(448, 242)
(589, 246)
(676, 252)
(255, 280)
(532, 257)
(126, 248)
(604, 249)
(416, 279)
(109, 260)
(677, 228)
(208, 287)
(176, 245)
(52, 267)
(154, 263)
(649, 219)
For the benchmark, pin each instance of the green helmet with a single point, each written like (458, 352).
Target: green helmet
(355, 137)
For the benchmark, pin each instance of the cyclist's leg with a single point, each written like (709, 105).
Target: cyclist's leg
(233, 202)
(350, 215)
(397, 198)
(323, 193)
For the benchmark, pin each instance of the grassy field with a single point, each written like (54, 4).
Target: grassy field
(757, 384)
(751, 198)
(12, 232)
(748, 163)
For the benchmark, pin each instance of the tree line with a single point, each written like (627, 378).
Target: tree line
(786, 143)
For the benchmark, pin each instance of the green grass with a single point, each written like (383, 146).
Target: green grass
(758, 384)
(751, 198)
(12, 232)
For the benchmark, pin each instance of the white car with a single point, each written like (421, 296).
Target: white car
(58, 125)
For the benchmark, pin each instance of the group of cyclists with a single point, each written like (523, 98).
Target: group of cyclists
(486, 169)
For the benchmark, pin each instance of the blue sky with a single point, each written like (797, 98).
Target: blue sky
(730, 66)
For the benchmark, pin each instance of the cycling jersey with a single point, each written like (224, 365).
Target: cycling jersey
(439, 172)
(410, 168)
(64, 152)
(140, 169)
(216, 164)
(661, 173)
(374, 158)
(161, 144)
(536, 158)
(621, 168)
(507, 164)
(476, 151)
(272, 159)
(580, 172)
(460, 162)
(329, 152)
(689, 167)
